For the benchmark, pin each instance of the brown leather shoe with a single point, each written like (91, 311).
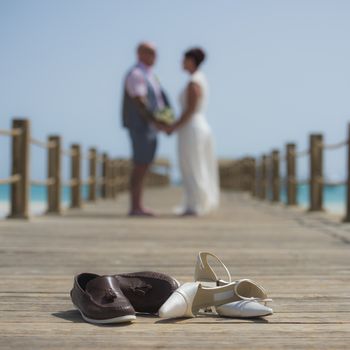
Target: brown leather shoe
(147, 291)
(100, 300)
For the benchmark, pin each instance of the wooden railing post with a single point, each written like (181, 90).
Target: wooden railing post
(20, 166)
(316, 173)
(276, 181)
(75, 176)
(99, 176)
(263, 177)
(54, 174)
(246, 176)
(121, 177)
(253, 178)
(111, 176)
(291, 174)
(234, 175)
(239, 175)
(115, 176)
(104, 176)
(347, 214)
(92, 174)
(258, 179)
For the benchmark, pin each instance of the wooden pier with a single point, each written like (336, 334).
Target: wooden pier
(301, 258)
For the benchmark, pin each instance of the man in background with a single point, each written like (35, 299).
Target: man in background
(143, 97)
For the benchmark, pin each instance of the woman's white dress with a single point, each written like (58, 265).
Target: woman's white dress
(198, 163)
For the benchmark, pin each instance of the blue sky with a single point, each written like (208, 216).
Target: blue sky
(278, 70)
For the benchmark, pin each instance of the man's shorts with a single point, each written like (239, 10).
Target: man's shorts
(144, 144)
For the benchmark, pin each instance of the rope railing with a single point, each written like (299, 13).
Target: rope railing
(47, 182)
(68, 153)
(10, 180)
(301, 182)
(262, 176)
(335, 146)
(48, 145)
(334, 183)
(71, 153)
(306, 152)
(12, 132)
(100, 181)
(106, 176)
(301, 154)
(89, 181)
(72, 182)
(42, 144)
(284, 157)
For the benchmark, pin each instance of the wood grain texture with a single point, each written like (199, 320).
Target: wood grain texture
(301, 258)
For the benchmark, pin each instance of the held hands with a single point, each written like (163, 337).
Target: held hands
(168, 129)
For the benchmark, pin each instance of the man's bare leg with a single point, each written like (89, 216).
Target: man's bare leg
(138, 174)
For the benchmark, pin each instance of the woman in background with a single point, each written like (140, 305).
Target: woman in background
(198, 163)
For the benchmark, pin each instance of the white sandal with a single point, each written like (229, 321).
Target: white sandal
(188, 299)
(204, 272)
(251, 297)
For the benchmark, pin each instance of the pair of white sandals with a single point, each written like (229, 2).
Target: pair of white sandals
(241, 298)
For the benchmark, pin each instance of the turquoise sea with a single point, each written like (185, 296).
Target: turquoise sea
(334, 197)
(39, 193)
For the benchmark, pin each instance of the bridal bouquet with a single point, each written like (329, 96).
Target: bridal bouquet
(166, 116)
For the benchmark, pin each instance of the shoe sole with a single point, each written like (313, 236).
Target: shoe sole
(214, 311)
(120, 319)
(243, 317)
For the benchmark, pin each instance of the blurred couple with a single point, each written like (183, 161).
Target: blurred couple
(143, 102)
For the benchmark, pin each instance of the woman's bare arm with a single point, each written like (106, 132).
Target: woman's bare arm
(193, 94)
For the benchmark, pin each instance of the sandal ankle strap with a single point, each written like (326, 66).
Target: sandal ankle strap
(257, 299)
(204, 272)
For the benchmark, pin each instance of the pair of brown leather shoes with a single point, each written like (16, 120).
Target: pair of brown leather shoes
(116, 298)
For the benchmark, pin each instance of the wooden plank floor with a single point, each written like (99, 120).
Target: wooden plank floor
(302, 259)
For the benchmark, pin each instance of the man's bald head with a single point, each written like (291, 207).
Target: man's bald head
(146, 53)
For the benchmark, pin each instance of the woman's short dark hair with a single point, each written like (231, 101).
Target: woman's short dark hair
(196, 54)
